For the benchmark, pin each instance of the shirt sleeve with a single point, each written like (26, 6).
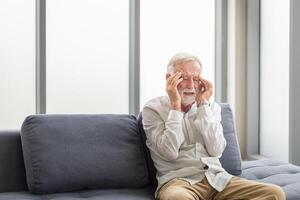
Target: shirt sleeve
(164, 137)
(208, 123)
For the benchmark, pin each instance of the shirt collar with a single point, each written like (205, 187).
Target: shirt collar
(192, 109)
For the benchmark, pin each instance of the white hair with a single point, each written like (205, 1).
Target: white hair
(180, 58)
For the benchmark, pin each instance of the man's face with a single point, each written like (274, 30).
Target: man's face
(189, 87)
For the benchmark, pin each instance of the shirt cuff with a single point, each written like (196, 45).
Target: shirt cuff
(205, 111)
(204, 103)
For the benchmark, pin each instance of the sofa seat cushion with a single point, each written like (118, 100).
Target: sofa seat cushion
(145, 193)
(276, 172)
(65, 153)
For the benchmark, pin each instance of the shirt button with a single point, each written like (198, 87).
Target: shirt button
(205, 167)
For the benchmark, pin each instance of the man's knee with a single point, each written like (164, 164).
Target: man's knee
(176, 193)
(276, 192)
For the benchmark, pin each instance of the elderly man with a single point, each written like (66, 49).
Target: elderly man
(185, 139)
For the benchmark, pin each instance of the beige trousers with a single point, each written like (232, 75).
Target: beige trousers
(237, 188)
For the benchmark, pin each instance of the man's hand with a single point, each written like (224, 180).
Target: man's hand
(171, 88)
(205, 91)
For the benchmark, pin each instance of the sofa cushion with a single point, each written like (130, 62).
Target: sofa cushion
(12, 171)
(281, 173)
(231, 157)
(72, 152)
(145, 193)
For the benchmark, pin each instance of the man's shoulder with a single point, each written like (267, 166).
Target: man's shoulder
(159, 105)
(161, 102)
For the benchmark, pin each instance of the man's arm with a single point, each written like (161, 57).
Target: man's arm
(165, 137)
(208, 122)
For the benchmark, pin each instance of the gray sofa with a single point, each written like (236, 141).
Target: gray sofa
(104, 157)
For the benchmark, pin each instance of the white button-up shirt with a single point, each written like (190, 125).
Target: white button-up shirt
(185, 145)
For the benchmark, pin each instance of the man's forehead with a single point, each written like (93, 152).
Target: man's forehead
(189, 67)
(188, 72)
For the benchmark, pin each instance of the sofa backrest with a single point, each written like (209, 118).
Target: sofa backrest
(231, 157)
(12, 170)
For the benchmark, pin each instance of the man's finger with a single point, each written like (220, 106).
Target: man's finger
(209, 85)
(171, 77)
(178, 81)
(204, 83)
(175, 77)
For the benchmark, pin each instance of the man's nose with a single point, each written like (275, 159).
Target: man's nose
(190, 83)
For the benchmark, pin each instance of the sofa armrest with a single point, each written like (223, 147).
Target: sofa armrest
(12, 170)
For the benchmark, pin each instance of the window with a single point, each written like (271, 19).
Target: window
(169, 27)
(274, 94)
(87, 56)
(17, 62)
(87, 53)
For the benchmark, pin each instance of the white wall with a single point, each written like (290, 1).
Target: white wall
(274, 117)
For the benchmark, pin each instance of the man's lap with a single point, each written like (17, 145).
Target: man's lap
(237, 188)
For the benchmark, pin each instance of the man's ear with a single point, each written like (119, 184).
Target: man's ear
(167, 75)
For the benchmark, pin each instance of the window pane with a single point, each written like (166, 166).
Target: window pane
(274, 79)
(87, 56)
(17, 62)
(172, 26)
